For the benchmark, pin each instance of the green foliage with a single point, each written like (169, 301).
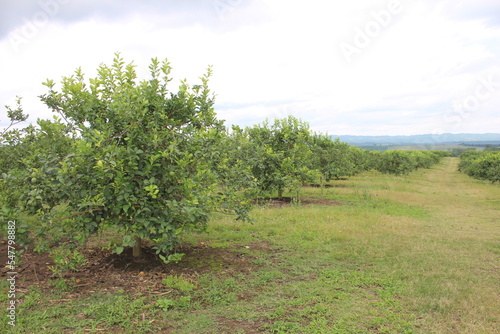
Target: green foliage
(66, 260)
(456, 152)
(174, 257)
(399, 162)
(362, 159)
(117, 309)
(481, 165)
(165, 303)
(28, 167)
(396, 162)
(179, 283)
(15, 116)
(214, 291)
(135, 157)
(115, 312)
(491, 148)
(182, 302)
(32, 297)
(131, 155)
(335, 159)
(63, 284)
(231, 163)
(280, 327)
(277, 155)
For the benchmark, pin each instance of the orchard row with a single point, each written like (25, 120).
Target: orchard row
(285, 154)
(481, 165)
(151, 163)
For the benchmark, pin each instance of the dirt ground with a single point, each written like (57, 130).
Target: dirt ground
(105, 271)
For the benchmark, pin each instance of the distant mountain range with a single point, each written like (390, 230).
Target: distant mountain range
(427, 139)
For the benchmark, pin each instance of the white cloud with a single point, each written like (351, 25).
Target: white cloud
(276, 58)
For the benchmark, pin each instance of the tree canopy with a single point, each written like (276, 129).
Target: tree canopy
(132, 155)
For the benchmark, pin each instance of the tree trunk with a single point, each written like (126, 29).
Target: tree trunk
(137, 250)
(280, 193)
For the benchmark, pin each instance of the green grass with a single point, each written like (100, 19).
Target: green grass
(433, 147)
(54, 314)
(415, 254)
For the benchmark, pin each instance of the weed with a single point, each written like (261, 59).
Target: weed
(63, 284)
(217, 291)
(179, 283)
(116, 309)
(176, 257)
(32, 297)
(280, 326)
(165, 303)
(66, 260)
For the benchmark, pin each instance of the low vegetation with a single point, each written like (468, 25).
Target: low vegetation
(483, 165)
(387, 254)
(125, 203)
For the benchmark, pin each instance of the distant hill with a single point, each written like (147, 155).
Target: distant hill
(427, 139)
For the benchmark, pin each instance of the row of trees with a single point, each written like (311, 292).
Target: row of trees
(481, 165)
(285, 155)
(152, 164)
(404, 162)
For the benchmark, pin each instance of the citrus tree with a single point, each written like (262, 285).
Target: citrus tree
(481, 165)
(10, 139)
(362, 159)
(396, 162)
(279, 155)
(400, 162)
(139, 160)
(333, 158)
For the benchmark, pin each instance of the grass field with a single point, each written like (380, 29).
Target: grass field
(414, 254)
(422, 147)
(434, 147)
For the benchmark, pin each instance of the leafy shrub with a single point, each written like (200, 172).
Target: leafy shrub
(277, 155)
(396, 162)
(481, 165)
(131, 155)
(404, 162)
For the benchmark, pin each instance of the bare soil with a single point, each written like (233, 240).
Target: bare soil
(106, 272)
(287, 201)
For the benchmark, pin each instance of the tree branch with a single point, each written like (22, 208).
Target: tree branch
(78, 214)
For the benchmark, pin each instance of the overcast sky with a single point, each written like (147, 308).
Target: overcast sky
(365, 67)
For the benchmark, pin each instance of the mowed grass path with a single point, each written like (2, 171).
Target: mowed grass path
(451, 258)
(414, 254)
